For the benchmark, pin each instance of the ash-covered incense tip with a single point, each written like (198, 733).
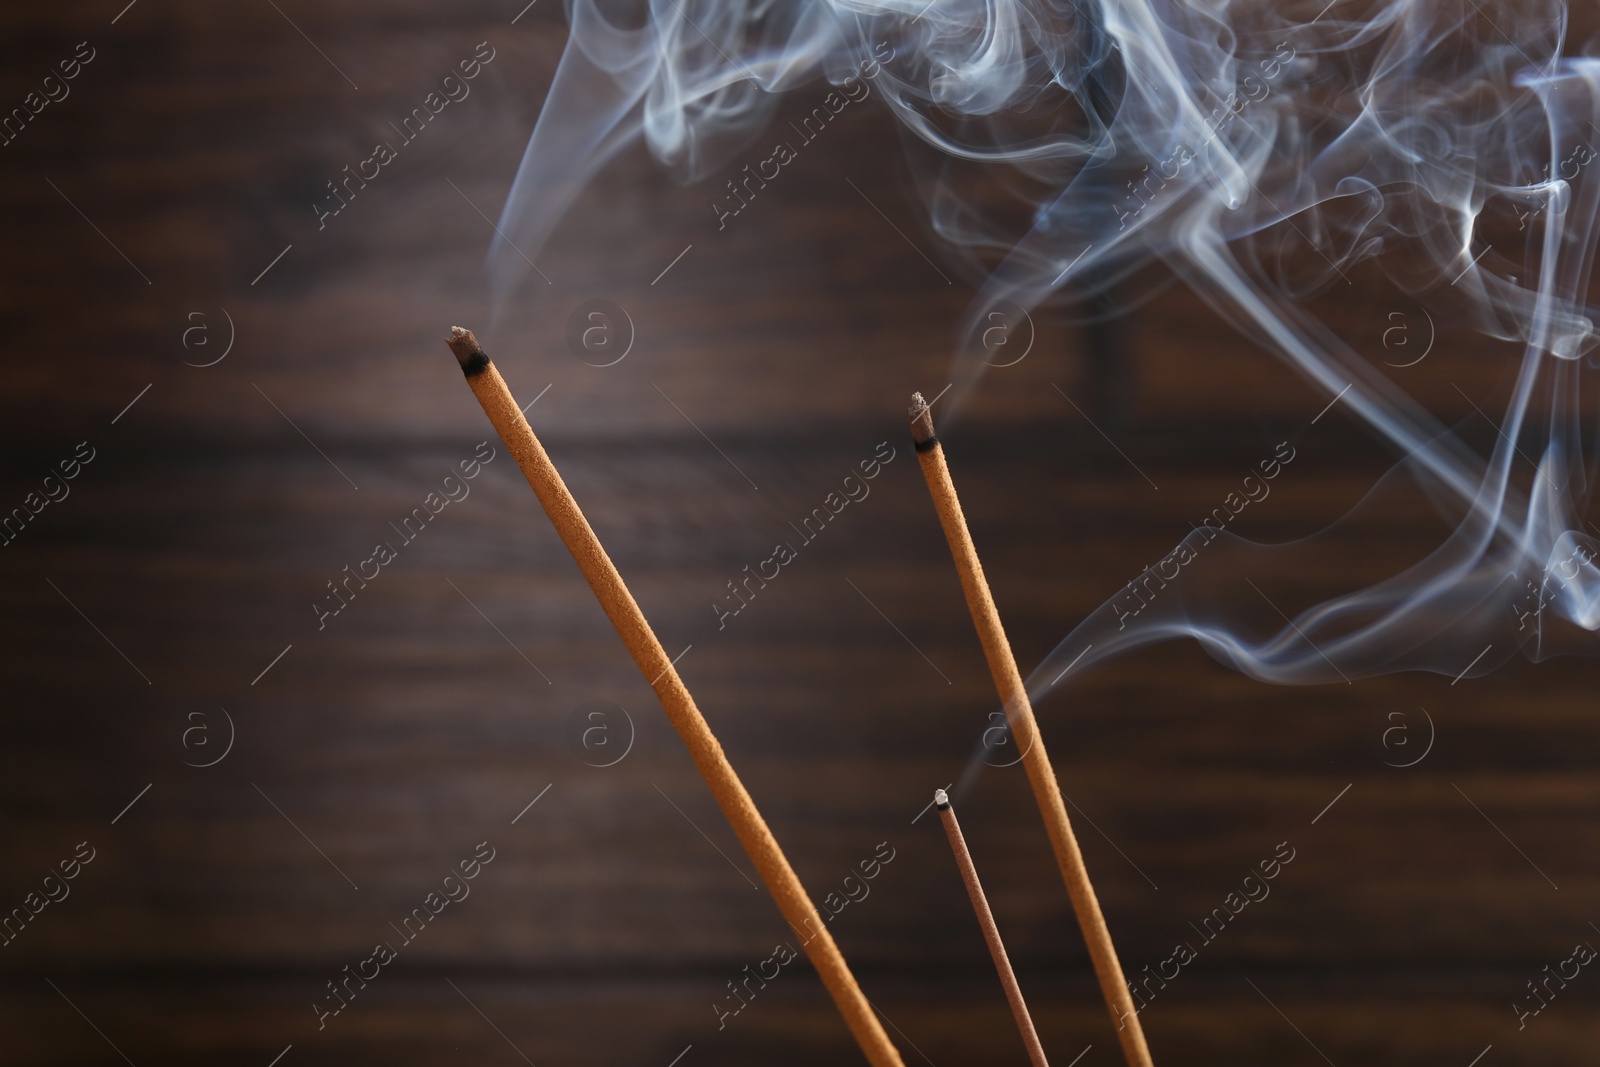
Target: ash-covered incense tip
(921, 423)
(469, 353)
(941, 799)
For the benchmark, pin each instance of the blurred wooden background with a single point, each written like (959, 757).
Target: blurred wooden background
(377, 752)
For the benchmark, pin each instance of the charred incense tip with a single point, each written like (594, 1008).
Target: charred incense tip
(941, 799)
(921, 423)
(469, 353)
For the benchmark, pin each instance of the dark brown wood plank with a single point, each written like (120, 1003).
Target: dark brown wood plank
(411, 727)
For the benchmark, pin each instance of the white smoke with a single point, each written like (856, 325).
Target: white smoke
(1259, 154)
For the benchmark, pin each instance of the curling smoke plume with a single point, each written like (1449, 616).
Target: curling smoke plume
(1261, 152)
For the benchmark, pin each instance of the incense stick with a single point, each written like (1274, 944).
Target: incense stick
(991, 932)
(658, 669)
(1025, 732)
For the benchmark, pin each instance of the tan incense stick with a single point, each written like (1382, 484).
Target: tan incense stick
(651, 658)
(991, 932)
(1025, 732)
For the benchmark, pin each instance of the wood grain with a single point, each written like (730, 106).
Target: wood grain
(413, 727)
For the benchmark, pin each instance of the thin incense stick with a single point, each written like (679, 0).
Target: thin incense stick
(1025, 731)
(652, 660)
(991, 932)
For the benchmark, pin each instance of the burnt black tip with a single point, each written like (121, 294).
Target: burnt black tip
(469, 353)
(941, 800)
(922, 434)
